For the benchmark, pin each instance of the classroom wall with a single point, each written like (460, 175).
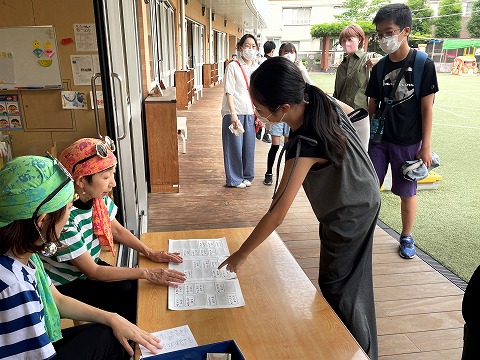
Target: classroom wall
(45, 122)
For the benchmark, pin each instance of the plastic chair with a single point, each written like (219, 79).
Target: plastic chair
(182, 131)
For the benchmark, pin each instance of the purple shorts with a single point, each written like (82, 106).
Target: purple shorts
(394, 154)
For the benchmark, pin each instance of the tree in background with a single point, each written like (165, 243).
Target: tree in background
(473, 25)
(360, 10)
(422, 22)
(354, 9)
(449, 21)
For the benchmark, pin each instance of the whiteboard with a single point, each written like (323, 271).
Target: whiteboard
(29, 58)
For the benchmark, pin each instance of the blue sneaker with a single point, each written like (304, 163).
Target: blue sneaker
(407, 247)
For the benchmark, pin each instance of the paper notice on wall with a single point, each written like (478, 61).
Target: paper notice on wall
(99, 96)
(82, 69)
(7, 68)
(85, 37)
(96, 64)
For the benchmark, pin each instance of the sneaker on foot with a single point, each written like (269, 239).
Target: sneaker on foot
(258, 134)
(241, 185)
(247, 183)
(407, 247)
(267, 138)
(268, 179)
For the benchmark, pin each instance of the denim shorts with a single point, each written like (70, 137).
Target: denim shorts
(394, 154)
(280, 129)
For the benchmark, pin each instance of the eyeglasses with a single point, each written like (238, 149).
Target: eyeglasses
(101, 149)
(380, 35)
(60, 187)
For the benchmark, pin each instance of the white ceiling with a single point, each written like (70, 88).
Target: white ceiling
(242, 12)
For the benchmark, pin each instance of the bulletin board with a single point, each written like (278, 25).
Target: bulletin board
(29, 58)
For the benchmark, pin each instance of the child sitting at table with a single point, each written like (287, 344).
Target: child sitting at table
(35, 199)
(77, 269)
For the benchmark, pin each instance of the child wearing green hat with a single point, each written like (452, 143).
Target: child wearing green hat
(35, 199)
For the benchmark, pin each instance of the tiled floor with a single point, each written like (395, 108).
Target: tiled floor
(418, 309)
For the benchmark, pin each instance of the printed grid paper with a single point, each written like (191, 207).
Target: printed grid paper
(173, 339)
(206, 286)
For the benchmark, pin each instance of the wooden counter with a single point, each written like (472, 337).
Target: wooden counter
(285, 317)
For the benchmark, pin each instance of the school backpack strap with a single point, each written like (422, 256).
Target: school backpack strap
(418, 67)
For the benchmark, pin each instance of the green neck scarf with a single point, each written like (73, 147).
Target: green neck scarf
(52, 316)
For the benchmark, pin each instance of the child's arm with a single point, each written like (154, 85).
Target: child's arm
(126, 238)
(426, 109)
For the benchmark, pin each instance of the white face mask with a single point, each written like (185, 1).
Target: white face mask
(266, 119)
(290, 57)
(390, 44)
(249, 54)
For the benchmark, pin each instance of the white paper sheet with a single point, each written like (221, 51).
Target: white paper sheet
(173, 339)
(206, 286)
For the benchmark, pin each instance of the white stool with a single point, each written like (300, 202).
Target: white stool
(198, 91)
(182, 131)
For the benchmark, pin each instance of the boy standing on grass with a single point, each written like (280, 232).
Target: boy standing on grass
(408, 124)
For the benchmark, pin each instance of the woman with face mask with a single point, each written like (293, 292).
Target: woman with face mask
(77, 269)
(352, 76)
(35, 200)
(288, 51)
(238, 122)
(325, 155)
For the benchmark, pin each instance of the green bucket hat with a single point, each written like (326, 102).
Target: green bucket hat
(26, 181)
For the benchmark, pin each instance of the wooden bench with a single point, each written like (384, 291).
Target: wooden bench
(285, 317)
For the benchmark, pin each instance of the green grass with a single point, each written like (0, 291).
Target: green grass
(447, 225)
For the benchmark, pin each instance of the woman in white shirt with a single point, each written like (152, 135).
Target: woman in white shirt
(237, 114)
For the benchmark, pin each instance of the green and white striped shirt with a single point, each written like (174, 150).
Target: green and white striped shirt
(78, 238)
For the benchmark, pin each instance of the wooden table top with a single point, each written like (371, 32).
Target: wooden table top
(285, 317)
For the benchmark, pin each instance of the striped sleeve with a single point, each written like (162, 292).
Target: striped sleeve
(22, 329)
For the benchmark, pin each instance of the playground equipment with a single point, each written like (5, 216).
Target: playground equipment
(464, 66)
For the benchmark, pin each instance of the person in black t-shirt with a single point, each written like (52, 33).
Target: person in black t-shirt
(408, 124)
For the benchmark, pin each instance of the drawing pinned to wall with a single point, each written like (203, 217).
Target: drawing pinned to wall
(74, 100)
(85, 37)
(48, 49)
(7, 70)
(39, 52)
(10, 115)
(36, 48)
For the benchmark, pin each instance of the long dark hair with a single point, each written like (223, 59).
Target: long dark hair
(21, 236)
(278, 81)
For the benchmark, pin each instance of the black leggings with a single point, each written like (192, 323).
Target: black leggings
(89, 341)
(272, 153)
(115, 296)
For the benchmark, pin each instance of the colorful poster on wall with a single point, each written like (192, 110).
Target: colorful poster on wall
(10, 115)
(74, 100)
